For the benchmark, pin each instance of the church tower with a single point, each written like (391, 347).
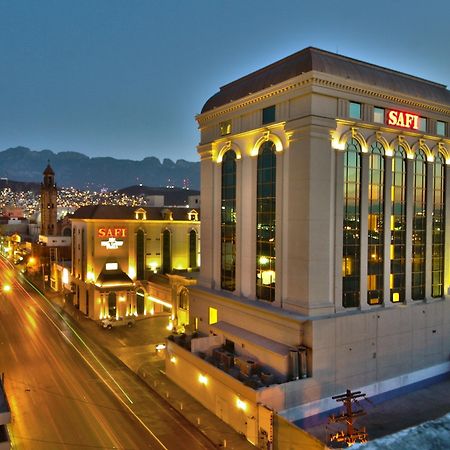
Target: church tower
(48, 203)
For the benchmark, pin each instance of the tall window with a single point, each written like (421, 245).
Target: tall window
(112, 304)
(437, 282)
(352, 225)
(265, 222)
(193, 249)
(140, 255)
(419, 227)
(228, 222)
(375, 224)
(398, 226)
(140, 301)
(166, 256)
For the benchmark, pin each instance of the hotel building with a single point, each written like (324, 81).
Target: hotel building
(118, 250)
(325, 240)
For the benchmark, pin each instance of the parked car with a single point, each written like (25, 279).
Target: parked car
(119, 322)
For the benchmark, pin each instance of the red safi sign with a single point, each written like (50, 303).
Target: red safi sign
(402, 119)
(112, 232)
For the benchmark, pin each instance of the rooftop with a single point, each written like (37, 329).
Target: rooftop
(310, 59)
(116, 212)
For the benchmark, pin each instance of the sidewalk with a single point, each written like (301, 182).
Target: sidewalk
(135, 347)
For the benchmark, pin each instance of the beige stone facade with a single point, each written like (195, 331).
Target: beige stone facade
(381, 342)
(118, 251)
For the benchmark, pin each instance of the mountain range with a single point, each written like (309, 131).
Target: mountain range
(83, 172)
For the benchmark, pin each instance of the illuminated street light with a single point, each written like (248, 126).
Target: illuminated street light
(6, 288)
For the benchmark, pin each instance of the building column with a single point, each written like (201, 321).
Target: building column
(207, 202)
(217, 222)
(247, 225)
(387, 231)
(429, 229)
(239, 214)
(309, 208)
(409, 227)
(279, 230)
(338, 228)
(447, 231)
(364, 241)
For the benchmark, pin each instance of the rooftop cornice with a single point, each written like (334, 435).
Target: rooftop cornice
(327, 81)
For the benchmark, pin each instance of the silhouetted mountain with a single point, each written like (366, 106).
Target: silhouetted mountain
(80, 171)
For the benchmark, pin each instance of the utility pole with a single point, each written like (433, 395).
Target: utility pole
(350, 435)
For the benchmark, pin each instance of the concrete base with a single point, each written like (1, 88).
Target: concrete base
(384, 386)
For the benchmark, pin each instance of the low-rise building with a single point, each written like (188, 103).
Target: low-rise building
(119, 254)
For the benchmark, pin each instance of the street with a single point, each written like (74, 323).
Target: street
(66, 392)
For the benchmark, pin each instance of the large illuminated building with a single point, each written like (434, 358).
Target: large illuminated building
(325, 232)
(117, 249)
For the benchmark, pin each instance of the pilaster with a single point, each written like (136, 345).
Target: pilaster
(309, 209)
(409, 227)
(429, 229)
(207, 202)
(387, 231)
(364, 242)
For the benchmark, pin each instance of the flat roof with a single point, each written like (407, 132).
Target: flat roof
(310, 59)
(260, 341)
(118, 212)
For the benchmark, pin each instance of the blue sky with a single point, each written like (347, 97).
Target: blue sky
(126, 78)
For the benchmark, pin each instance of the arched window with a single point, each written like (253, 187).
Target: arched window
(351, 256)
(398, 226)
(265, 222)
(140, 255)
(184, 299)
(228, 222)
(193, 249)
(419, 227)
(437, 266)
(166, 252)
(140, 301)
(375, 225)
(112, 304)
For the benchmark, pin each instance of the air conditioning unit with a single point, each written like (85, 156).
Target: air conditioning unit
(217, 354)
(227, 359)
(248, 367)
(267, 378)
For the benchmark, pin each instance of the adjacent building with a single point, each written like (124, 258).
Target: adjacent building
(325, 240)
(118, 250)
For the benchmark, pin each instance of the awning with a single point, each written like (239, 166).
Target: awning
(113, 278)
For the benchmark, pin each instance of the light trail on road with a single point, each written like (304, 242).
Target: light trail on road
(38, 341)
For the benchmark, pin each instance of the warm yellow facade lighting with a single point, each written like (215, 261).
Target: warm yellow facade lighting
(161, 302)
(202, 379)
(241, 404)
(90, 276)
(65, 276)
(173, 359)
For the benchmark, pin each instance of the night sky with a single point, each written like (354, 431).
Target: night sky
(126, 78)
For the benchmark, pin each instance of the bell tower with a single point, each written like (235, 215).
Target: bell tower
(48, 203)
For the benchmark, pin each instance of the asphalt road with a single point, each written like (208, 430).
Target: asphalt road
(66, 392)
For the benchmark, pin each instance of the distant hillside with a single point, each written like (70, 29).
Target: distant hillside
(172, 196)
(80, 171)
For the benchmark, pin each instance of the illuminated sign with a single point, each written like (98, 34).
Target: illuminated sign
(402, 119)
(112, 232)
(112, 244)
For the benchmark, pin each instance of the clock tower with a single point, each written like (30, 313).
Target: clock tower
(48, 203)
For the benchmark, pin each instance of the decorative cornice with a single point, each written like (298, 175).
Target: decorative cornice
(321, 81)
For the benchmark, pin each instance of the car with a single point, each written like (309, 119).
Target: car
(119, 322)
